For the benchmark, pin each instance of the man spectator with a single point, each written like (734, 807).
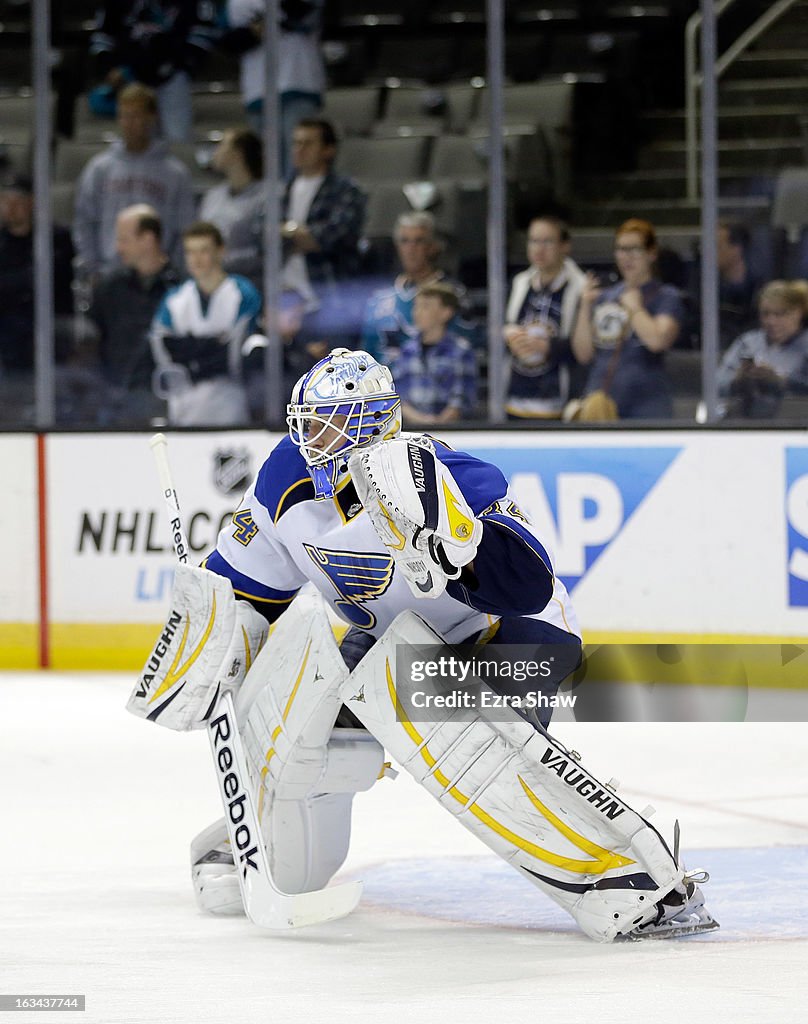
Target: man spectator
(17, 292)
(240, 159)
(135, 169)
(301, 71)
(158, 44)
(198, 333)
(388, 320)
(436, 371)
(738, 287)
(540, 318)
(123, 304)
(322, 214)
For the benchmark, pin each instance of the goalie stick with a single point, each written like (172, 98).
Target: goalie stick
(264, 903)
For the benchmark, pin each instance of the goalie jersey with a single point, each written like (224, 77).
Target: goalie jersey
(280, 538)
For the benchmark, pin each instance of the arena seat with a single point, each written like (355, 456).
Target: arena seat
(396, 159)
(352, 111)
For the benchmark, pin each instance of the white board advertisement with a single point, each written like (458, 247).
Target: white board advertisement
(657, 534)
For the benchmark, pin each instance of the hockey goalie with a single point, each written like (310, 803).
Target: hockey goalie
(412, 545)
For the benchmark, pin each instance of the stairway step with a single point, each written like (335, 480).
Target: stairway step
(666, 184)
(739, 121)
(762, 154)
(769, 63)
(666, 211)
(763, 91)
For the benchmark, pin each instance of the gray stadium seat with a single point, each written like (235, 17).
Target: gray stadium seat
(217, 111)
(386, 201)
(72, 157)
(196, 158)
(789, 220)
(790, 206)
(383, 159)
(353, 111)
(17, 118)
(459, 157)
(62, 199)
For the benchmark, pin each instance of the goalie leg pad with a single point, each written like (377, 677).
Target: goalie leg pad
(206, 647)
(304, 777)
(523, 795)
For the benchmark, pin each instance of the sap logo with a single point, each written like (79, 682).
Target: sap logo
(797, 525)
(580, 498)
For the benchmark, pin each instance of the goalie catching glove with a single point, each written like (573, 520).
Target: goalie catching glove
(206, 647)
(417, 510)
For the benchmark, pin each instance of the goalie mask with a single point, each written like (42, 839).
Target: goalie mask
(344, 402)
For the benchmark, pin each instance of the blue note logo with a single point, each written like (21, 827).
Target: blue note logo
(357, 577)
(797, 525)
(580, 499)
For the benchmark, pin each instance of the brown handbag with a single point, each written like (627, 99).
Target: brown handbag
(598, 406)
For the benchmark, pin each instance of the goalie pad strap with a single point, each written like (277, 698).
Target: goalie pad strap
(522, 794)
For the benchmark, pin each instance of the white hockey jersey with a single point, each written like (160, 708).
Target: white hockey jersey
(280, 538)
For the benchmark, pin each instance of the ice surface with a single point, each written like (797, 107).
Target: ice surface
(99, 807)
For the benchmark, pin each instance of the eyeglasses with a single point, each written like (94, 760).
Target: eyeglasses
(543, 241)
(629, 250)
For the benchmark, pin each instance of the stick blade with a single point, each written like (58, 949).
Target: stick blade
(286, 911)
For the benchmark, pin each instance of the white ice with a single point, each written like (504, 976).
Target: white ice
(99, 807)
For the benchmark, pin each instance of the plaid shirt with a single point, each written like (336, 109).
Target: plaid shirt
(434, 377)
(336, 218)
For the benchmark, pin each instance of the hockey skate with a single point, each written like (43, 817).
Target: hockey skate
(679, 913)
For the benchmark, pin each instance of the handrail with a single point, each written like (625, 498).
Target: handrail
(692, 83)
(693, 78)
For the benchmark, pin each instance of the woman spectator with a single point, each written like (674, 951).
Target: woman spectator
(624, 330)
(762, 365)
(541, 311)
(240, 159)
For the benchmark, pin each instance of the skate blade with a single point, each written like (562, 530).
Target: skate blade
(672, 931)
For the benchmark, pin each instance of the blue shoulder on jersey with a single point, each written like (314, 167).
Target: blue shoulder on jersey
(283, 480)
(245, 586)
(480, 482)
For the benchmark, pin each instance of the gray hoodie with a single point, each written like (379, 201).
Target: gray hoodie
(115, 179)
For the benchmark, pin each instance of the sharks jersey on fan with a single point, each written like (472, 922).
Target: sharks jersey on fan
(281, 538)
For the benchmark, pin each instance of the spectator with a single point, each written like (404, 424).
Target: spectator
(763, 365)
(198, 334)
(323, 215)
(388, 320)
(239, 158)
(436, 371)
(624, 330)
(135, 169)
(301, 72)
(123, 305)
(159, 44)
(540, 317)
(737, 285)
(17, 277)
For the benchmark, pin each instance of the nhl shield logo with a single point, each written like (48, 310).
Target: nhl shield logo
(231, 470)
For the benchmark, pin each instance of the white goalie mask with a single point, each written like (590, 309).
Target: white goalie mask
(344, 402)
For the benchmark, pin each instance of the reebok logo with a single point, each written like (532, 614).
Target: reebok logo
(221, 729)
